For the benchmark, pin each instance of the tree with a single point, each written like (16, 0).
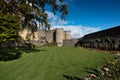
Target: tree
(31, 11)
(27, 13)
(9, 27)
(15, 15)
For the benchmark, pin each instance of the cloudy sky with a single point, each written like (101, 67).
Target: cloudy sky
(87, 16)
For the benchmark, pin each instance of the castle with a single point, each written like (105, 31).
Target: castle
(41, 37)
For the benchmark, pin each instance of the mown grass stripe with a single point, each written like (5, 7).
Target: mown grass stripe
(32, 69)
(50, 63)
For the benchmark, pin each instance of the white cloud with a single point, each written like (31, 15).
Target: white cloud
(50, 15)
(77, 31)
(62, 22)
(54, 19)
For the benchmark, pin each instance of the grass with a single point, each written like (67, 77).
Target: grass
(50, 63)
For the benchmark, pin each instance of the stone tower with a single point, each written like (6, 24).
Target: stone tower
(59, 36)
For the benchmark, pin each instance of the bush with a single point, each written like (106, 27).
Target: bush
(9, 54)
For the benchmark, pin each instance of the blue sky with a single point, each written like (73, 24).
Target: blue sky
(87, 16)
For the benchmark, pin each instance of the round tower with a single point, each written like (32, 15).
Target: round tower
(59, 36)
(67, 35)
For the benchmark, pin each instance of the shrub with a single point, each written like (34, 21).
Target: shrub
(110, 71)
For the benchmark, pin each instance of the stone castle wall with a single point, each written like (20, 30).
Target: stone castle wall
(42, 37)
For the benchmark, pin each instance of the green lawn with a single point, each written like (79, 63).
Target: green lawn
(50, 63)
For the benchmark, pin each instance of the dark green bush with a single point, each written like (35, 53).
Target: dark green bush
(9, 54)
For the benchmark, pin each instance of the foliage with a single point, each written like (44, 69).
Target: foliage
(105, 43)
(32, 11)
(9, 54)
(15, 53)
(110, 71)
(114, 68)
(9, 27)
(17, 14)
(106, 40)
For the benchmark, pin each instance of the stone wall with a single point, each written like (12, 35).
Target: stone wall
(42, 37)
(67, 35)
(69, 42)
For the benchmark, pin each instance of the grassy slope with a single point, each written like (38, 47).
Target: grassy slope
(51, 64)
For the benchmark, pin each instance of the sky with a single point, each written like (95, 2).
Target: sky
(88, 16)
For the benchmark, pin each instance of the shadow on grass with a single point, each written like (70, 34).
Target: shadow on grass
(9, 54)
(69, 77)
(33, 50)
(15, 53)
